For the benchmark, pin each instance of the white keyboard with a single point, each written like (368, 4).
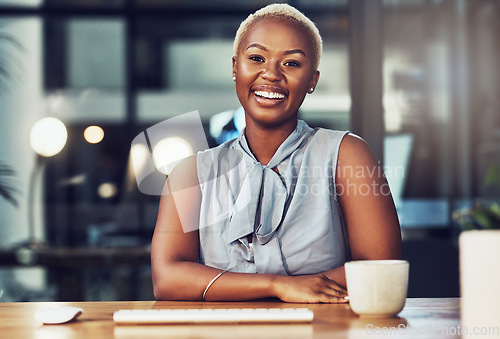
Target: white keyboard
(204, 316)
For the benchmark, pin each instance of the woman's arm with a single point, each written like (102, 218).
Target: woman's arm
(366, 201)
(177, 275)
(372, 223)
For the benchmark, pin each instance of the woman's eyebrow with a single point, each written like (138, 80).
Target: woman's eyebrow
(295, 51)
(264, 48)
(259, 46)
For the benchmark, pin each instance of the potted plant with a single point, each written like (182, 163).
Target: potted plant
(479, 247)
(484, 215)
(7, 190)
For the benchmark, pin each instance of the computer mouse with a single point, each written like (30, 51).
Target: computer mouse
(58, 315)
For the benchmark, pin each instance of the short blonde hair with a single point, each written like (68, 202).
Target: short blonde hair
(286, 12)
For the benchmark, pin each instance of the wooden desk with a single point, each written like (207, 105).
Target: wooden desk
(421, 318)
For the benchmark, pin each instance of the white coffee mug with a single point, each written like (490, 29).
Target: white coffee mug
(377, 288)
(480, 283)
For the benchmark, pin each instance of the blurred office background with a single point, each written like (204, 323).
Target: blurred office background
(418, 79)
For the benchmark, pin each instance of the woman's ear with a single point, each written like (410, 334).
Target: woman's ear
(313, 82)
(234, 68)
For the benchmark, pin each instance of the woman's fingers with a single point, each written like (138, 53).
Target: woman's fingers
(337, 289)
(332, 299)
(340, 292)
(334, 293)
(311, 289)
(338, 286)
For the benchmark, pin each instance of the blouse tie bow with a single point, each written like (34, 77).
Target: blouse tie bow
(261, 203)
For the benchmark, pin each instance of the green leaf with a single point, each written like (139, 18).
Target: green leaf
(467, 225)
(492, 176)
(492, 211)
(495, 209)
(481, 218)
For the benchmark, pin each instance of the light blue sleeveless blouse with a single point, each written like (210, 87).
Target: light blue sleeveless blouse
(293, 217)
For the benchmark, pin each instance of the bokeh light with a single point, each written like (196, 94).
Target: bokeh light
(107, 190)
(93, 134)
(48, 136)
(169, 151)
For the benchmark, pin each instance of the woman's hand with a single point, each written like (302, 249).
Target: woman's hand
(315, 288)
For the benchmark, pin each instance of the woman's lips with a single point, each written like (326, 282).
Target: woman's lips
(268, 98)
(267, 101)
(269, 95)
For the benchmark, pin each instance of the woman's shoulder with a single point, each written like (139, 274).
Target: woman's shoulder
(355, 151)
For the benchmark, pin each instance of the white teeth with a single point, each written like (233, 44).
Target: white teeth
(269, 95)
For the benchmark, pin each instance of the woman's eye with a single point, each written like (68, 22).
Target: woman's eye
(256, 58)
(292, 63)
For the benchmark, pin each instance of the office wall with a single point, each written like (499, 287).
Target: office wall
(21, 104)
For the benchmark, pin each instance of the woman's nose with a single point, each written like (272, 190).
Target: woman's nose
(272, 73)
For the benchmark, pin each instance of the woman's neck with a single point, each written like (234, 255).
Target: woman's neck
(265, 141)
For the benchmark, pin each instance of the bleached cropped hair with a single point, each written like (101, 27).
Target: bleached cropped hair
(286, 12)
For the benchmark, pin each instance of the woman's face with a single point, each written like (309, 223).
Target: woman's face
(274, 70)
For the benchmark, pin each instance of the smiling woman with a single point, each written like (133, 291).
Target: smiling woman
(274, 74)
(275, 212)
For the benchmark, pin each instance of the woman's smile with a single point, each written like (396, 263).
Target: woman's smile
(268, 95)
